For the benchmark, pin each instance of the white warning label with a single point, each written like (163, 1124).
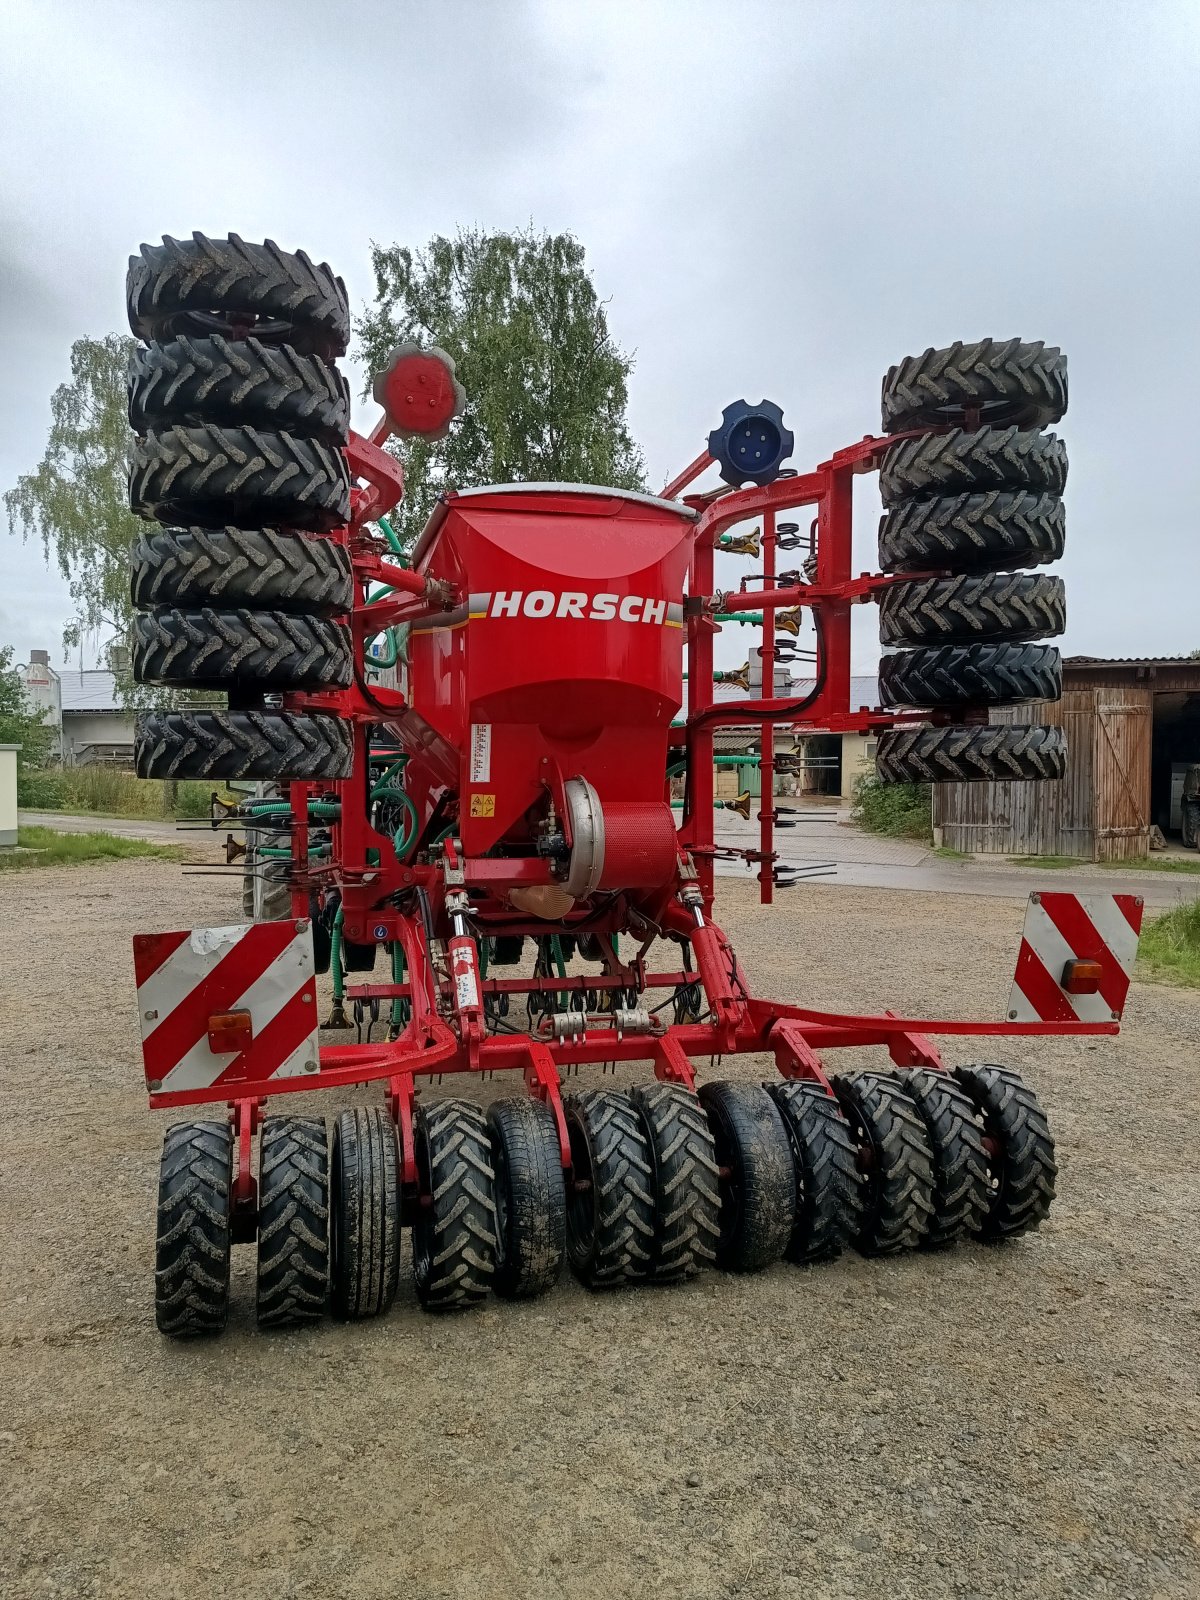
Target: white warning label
(468, 994)
(481, 752)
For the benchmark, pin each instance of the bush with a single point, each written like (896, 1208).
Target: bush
(39, 791)
(110, 791)
(899, 810)
(1170, 945)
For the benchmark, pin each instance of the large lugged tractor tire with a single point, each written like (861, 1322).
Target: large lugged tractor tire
(971, 675)
(958, 463)
(757, 1177)
(241, 477)
(293, 1222)
(261, 569)
(257, 651)
(241, 744)
(195, 1229)
(993, 532)
(896, 1161)
(971, 755)
(993, 381)
(981, 606)
(201, 285)
(961, 1189)
(365, 1223)
(829, 1203)
(687, 1198)
(531, 1197)
(239, 382)
(454, 1229)
(1019, 1148)
(610, 1205)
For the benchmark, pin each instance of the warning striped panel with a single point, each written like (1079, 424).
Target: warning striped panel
(184, 978)
(1061, 928)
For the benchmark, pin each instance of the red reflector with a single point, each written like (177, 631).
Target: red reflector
(229, 1032)
(1081, 977)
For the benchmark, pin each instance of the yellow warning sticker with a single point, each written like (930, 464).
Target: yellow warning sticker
(483, 805)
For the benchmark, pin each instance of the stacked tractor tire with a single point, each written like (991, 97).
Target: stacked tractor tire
(240, 416)
(966, 509)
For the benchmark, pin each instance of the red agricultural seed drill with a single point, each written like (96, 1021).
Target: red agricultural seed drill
(510, 795)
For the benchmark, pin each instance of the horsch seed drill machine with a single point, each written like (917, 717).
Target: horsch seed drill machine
(484, 852)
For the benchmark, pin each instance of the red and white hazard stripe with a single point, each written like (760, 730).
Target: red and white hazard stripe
(1065, 928)
(186, 978)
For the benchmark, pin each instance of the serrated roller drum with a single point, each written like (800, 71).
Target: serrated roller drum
(242, 477)
(1003, 380)
(993, 605)
(241, 744)
(971, 754)
(957, 462)
(261, 568)
(256, 650)
(971, 675)
(170, 286)
(237, 382)
(994, 532)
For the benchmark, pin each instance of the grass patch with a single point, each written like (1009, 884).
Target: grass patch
(897, 810)
(111, 792)
(46, 847)
(945, 852)
(1169, 948)
(1140, 864)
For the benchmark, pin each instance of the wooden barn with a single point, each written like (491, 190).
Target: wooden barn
(1133, 729)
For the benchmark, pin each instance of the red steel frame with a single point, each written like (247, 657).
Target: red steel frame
(447, 1034)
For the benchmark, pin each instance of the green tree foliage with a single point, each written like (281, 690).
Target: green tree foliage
(20, 721)
(77, 500)
(546, 383)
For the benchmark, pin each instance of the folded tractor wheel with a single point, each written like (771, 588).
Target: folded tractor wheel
(531, 1199)
(687, 1199)
(293, 1222)
(610, 1202)
(201, 285)
(992, 605)
(896, 1161)
(259, 569)
(971, 675)
(249, 650)
(220, 476)
(757, 1178)
(990, 381)
(961, 1188)
(828, 1184)
(241, 744)
(1019, 1150)
(241, 382)
(454, 1229)
(365, 1223)
(973, 533)
(971, 755)
(958, 462)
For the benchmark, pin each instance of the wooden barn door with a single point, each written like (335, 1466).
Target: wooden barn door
(1124, 719)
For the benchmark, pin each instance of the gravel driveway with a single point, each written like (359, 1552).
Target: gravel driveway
(1022, 1421)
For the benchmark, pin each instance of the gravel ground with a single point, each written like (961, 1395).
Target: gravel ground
(1022, 1421)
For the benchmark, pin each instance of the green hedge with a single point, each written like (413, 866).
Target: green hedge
(899, 810)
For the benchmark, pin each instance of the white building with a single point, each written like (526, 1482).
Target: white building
(84, 711)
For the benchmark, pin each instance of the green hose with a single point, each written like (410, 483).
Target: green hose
(393, 539)
(331, 809)
(336, 969)
(405, 836)
(400, 1007)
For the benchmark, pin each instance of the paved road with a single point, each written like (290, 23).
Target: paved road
(860, 860)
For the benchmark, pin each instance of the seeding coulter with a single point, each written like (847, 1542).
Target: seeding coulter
(483, 851)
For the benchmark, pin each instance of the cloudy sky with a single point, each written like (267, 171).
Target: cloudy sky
(776, 198)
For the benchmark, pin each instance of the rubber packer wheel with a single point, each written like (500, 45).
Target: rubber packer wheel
(241, 744)
(957, 462)
(825, 1157)
(971, 675)
(262, 569)
(194, 1237)
(454, 1232)
(242, 382)
(971, 755)
(255, 651)
(1009, 606)
(973, 533)
(1019, 1149)
(293, 1222)
(202, 285)
(531, 1197)
(610, 1203)
(757, 1178)
(993, 380)
(687, 1190)
(365, 1225)
(895, 1160)
(961, 1187)
(241, 477)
